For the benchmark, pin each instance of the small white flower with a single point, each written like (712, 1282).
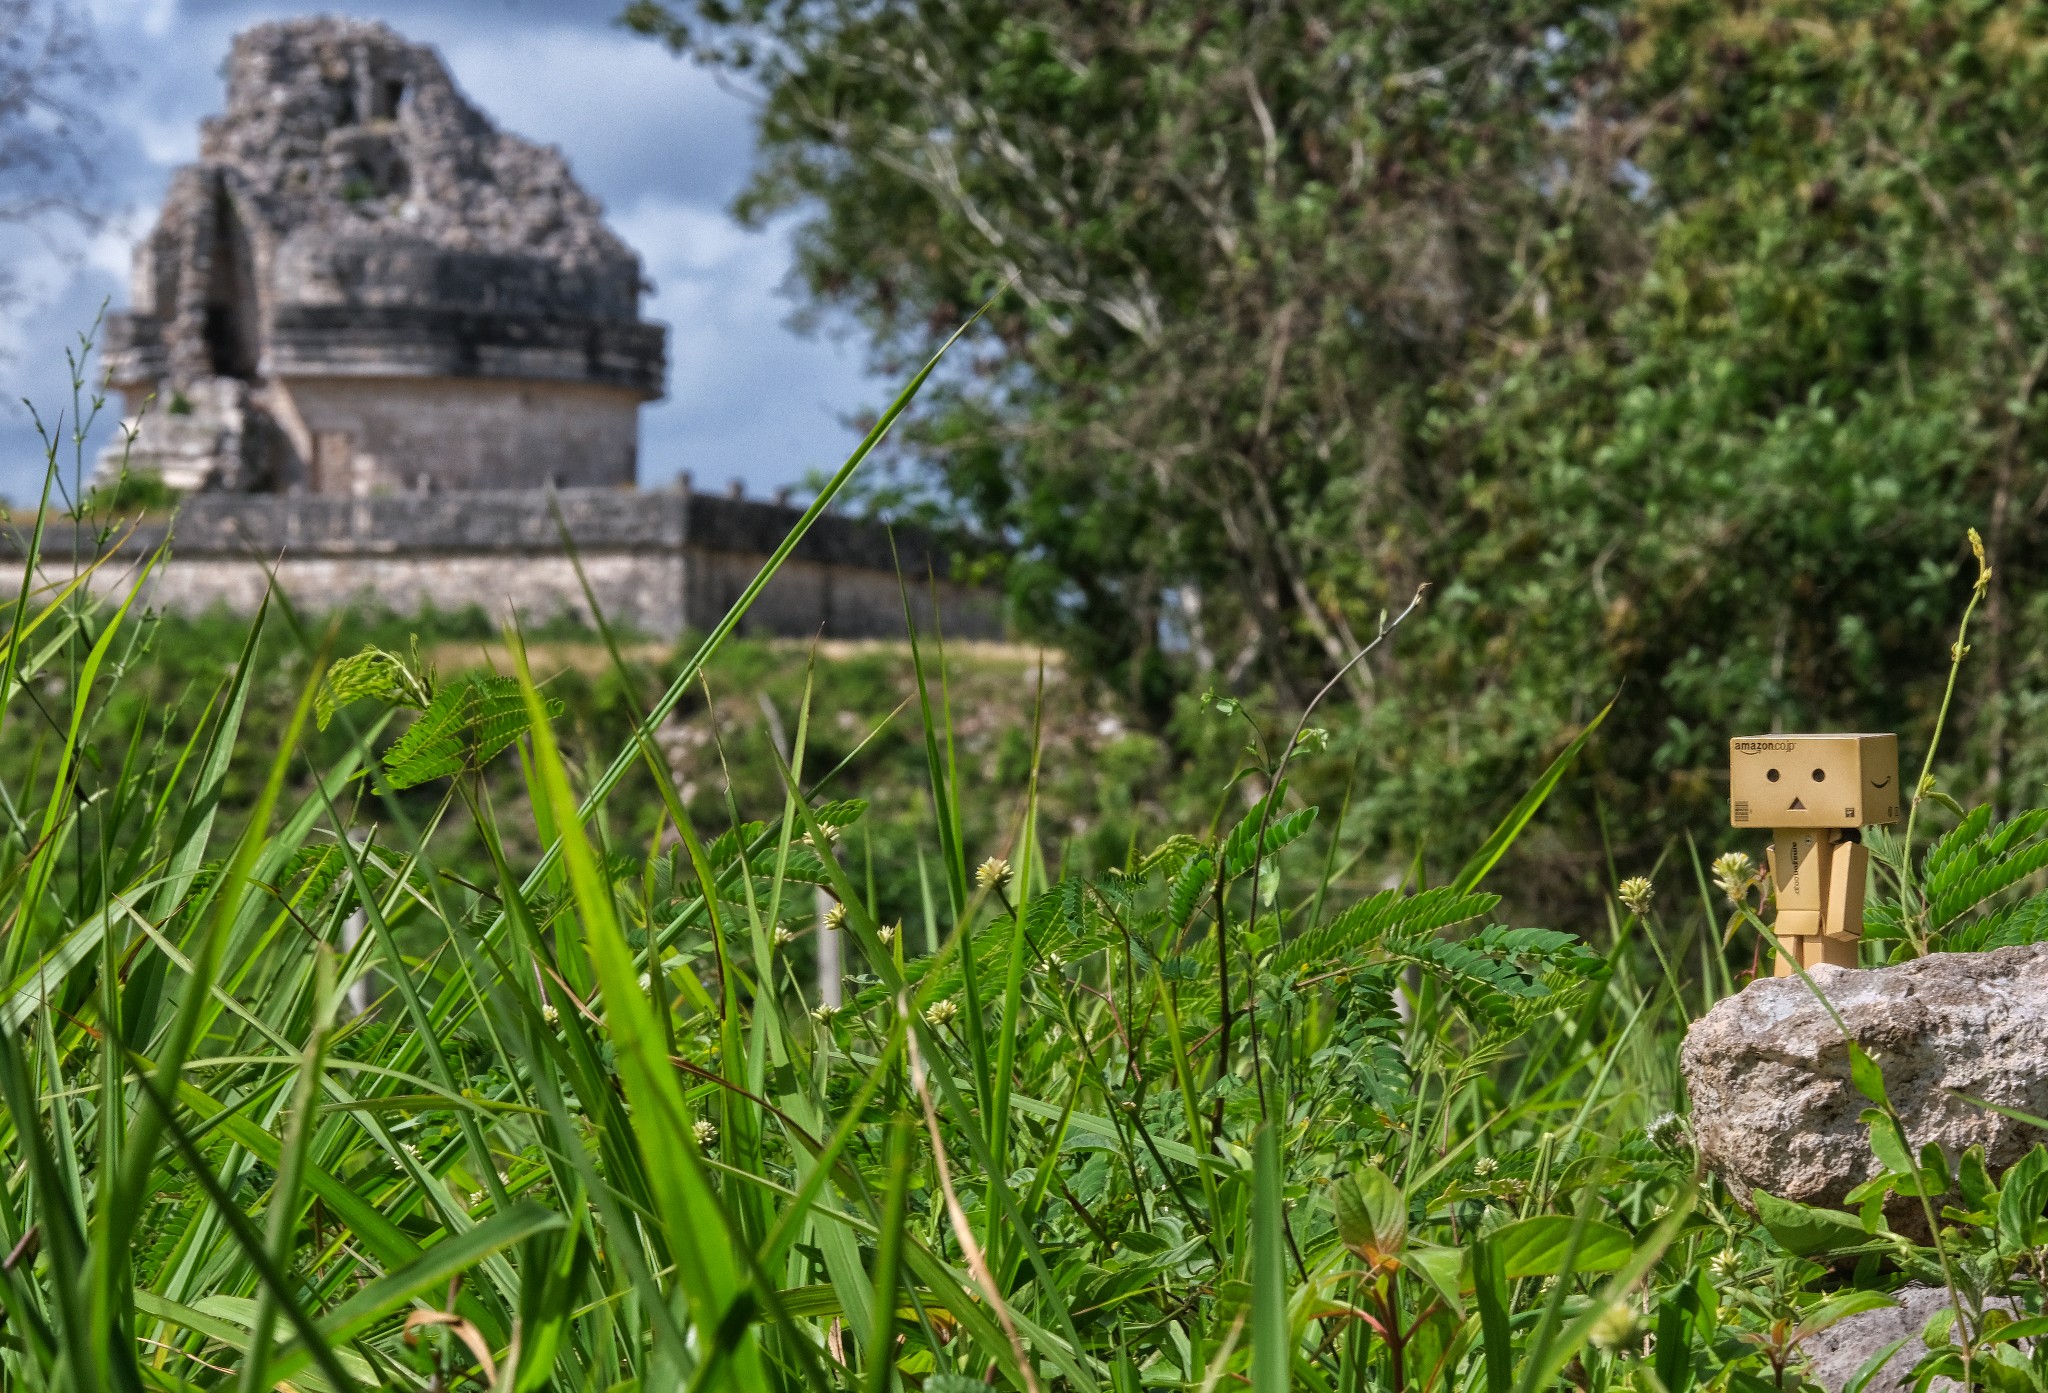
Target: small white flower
(824, 1013)
(1485, 1167)
(992, 873)
(888, 935)
(835, 917)
(940, 1012)
(1668, 1132)
(1727, 1266)
(705, 1131)
(1615, 1327)
(783, 938)
(1734, 872)
(476, 1197)
(549, 1014)
(1635, 893)
(646, 982)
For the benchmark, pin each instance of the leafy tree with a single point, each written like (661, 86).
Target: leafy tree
(1232, 249)
(1677, 344)
(1748, 485)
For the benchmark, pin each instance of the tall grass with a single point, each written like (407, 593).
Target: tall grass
(1206, 1120)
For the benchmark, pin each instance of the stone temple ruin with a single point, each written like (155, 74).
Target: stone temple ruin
(363, 287)
(390, 353)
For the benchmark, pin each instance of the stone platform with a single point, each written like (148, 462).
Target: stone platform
(660, 562)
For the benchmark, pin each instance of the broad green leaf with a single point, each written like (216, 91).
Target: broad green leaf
(2022, 1200)
(1371, 1213)
(1443, 1269)
(1804, 1230)
(1536, 1246)
(1973, 1179)
(1550, 1351)
(1933, 1170)
(1888, 1142)
(1868, 1077)
(2033, 1327)
(1840, 1308)
(1678, 1332)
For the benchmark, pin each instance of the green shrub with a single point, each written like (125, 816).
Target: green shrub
(302, 1089)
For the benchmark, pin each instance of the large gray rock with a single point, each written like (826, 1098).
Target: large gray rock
(1773, 1107)
(1836, 1354)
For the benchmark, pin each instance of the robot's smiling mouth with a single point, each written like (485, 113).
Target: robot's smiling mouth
(1880, 783)
(1797, 807)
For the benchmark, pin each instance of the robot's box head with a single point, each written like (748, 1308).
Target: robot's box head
(1813, 780)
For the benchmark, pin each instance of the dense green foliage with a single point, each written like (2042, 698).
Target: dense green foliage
(1675, 344)
(418, 1007)
(305, 1088)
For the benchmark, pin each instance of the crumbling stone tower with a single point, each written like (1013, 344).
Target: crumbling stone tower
(363, 287)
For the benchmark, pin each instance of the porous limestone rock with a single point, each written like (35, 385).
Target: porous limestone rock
(1837, 1354)
(1773, 1107)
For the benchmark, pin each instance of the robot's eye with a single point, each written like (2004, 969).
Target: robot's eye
(1772, 776)
(1820, 775)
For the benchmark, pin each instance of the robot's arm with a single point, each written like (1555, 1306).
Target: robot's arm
(1848, 874)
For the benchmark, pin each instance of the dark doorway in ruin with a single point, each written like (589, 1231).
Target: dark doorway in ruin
(231, 342)
(390, 96)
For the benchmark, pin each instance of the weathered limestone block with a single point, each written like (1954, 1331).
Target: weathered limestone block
(1836, 1354)
(1773, 1107)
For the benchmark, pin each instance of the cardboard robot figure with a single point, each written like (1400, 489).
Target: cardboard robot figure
(1815, 793)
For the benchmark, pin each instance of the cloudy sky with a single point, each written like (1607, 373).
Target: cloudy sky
(660, 141)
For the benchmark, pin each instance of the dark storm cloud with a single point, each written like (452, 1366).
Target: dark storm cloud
(659, 141)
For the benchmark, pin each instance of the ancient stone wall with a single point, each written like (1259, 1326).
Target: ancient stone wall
(659, 562)
(359, 435)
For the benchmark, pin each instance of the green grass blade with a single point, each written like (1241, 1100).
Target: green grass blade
(1510, 828)
(1272, 1347)
(428, 1272)
(1490, 1294)
(889, 1256)
(700, 1235)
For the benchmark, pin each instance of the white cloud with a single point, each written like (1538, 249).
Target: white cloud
(164, 141)
(747, 398)
(151, 17)
(674, 237)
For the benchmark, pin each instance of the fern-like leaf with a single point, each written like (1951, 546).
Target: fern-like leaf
(468, 722)
(1171, 856)
(1935, 865)
(1992, 861)
(2021, 923)
(370, 673)
(1389, 913)
(1187, 888)
(1241, 847)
